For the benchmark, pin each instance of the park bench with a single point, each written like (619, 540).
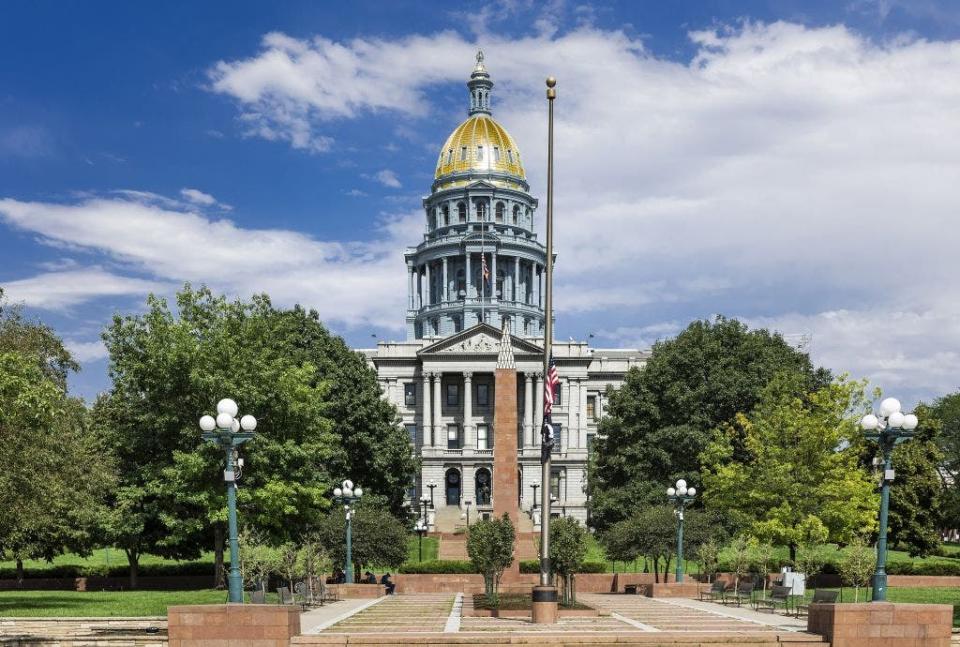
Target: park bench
(779, 596)
(716, 592)
(286, 596)
(631, 588)
(258, 596)
(819, 596)
(744, 591)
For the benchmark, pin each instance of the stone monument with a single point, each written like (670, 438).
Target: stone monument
(505, 487)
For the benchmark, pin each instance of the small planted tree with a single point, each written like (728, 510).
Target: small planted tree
(762, 556)
(810, 560)
(568, 548)
(856, 566)
(708, 554)
(379, 539)
(740, 557)
(258, 561)
(490, 547)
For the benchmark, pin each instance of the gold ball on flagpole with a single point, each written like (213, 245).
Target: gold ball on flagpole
(551, 81)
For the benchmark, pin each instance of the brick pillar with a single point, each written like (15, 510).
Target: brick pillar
(505, 453)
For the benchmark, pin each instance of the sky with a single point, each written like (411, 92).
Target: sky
(793, 164)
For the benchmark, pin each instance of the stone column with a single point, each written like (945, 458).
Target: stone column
(426, 291)
(528, 409)
(583, 414)
(446, 281)
(536, 284)
(410, 305)
(493, 276)
(538, 409)
(469, 277)
(516, 279)
(468, 433)
(427, 426)
(437, 425)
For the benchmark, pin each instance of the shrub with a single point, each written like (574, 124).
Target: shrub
(439, 566)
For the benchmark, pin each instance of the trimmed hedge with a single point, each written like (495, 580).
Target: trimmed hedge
(533, 566)
(70, 571)
(439, 566)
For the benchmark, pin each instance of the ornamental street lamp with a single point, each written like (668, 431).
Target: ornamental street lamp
(889, 428)
(347, 495)
(466, 514)
(432, 485)
(681, 496)
(229, 433)
(534, 487)
(421, 530)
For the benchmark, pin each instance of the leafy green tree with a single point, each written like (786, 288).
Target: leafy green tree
(378, 538)
(650, 532)
(664, 415)
(740, 557)
(568, 549)
(810, 560)
(708, 555)
(54, 473)
(490, 545)
(857, 564)
(790, 468)
(320, 411)
(945, 414)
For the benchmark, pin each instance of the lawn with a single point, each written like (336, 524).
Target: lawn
(103, 603)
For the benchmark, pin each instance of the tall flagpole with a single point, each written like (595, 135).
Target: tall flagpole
(545, 595)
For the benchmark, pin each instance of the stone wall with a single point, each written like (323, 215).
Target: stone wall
(232, 625)
(882, 624)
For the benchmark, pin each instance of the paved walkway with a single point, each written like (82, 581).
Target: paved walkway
(316, 620)
(398, 613)
(666, 614)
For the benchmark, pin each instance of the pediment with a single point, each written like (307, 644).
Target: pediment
(487, 237)
(481, 184)
(482, 339)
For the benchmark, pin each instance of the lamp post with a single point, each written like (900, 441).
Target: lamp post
(534, 487)
(347, 495)
(421, 530)
(229, 433)
(466, 514)
(680, 496)
(432, 485)
(889, 428)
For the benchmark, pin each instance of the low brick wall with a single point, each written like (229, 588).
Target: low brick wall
(357, 591)
(473, 583)
(883, 624)
(157, 583)
(232, 625)
(672, 590)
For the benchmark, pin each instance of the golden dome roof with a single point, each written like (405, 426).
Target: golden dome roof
(480, 145)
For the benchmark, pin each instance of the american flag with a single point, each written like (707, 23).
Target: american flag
(550, 386)
(483, 267)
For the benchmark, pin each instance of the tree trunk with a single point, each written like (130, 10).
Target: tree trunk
(793, 552)
(656, 570)
(19, 573)
(218, 570)
(133, 558)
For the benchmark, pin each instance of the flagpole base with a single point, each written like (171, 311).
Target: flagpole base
(544, 605)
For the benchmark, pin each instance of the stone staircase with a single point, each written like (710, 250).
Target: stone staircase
(453, 546)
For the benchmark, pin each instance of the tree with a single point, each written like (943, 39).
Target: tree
(490, 547)
(378, 538)
(762, 556)
(796, 476)
(568, 548)
(320, 411)
(663, 416)
(650, 532)
(810, 560)
(740, 557)
(945, 414)
(857, 565)
(54, 473)
(708, 554)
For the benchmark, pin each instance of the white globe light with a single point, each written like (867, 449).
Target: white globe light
(337, 491)
(671, 491)
(896, 420)
(227, 406)
(692, 491)
(682, 491)
(463, 515)
(348, 484)
(347, 492)
(248, 422)
(207, 423)
(235, 426)
(889, 406)
(869, 422)
(681, 484)
(910, 422)
(224, 420)
(358, 491)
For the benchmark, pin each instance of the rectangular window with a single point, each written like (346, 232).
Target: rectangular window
(453, 437)
(450, 156)
(410, 394)
(479, 153)
(590, 440)
(496, 153)
(483, 395)
(453, 395)
(510, 156)
(463, 153)
(592, 407)
(556, 395)
(483, 438)
(557, 437)
(556, 478)
(412, 433)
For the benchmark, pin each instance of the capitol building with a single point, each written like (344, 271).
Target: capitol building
(478, 271)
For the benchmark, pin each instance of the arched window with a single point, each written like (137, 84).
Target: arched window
(461, 212)
(450, 156)
(499, 212)
(516, 213)
(461, 283)
(499, 284)
(446, 215)
(481, 210)
(483, 486)
(451, 484)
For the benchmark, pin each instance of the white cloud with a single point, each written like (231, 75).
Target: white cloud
(86, 351)
(351, 282)
(386, 177)
(198, 197)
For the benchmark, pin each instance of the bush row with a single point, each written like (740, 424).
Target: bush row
(438, 566)
(893, 568)
(533, 566)
(119, 570)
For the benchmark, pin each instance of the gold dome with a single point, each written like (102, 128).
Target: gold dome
(480, 145)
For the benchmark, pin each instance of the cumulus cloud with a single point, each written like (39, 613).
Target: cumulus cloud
(86, 351)
(800, 176)
(198, 197)
(388, 178)
(350, 282)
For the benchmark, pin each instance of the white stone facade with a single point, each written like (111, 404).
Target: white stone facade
(445, 393)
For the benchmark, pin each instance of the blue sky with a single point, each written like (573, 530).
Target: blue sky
(789, 163)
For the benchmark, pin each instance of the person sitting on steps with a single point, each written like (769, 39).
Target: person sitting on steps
(390, 586)
(369, 578)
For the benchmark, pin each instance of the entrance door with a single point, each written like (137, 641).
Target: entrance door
(452, 484)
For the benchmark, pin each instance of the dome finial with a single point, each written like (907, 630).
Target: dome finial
(480, 86)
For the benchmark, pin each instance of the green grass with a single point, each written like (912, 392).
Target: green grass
(101, 557)
(430, 548)
(103, 603)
